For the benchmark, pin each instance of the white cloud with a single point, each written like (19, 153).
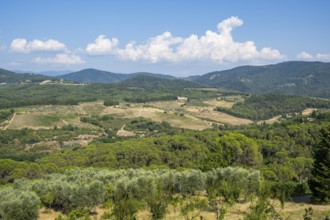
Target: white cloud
(323, 57)
(102, 46)
(304, 56)
(62, 58)
(156, 49)
(309, 57)
(21, 45)
(217, 46)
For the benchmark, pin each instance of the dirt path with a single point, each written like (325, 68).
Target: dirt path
(10, 121)
(124, 133)
(65, 122)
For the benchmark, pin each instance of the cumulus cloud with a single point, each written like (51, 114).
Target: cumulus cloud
(102, 46)
(21, 45)
(156, 49)
(62, 58)
(217, 46)
(304, 56)
(323, 57)
(309, 57)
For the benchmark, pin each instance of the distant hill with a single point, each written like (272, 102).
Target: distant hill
(99, 76)
(294, 78)
(7, 76)
(46, 73)
(94, 76)
(152, 82)
(54, 73)
(158, 75)
(262, 107)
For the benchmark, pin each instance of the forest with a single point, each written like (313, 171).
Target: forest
(261, 107)
(16, 95)
(190, 171)
(79, 167)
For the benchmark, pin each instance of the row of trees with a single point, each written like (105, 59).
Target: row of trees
(129, 191)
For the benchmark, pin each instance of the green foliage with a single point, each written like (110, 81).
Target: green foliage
(188, 208)
(294, 78)
(283, 191)
(11, 170)
(232, 183)
(240, 150)
(11, 77)
(130, 190)
(110, 103)
(263, 210)
(308, 213)
(158, 201)
(14, 142)
(15, 95)
(261, 107)
(320, 180)
(143, 124)
(126, 209)
(6, 115)
(74, 191)
(18, 205)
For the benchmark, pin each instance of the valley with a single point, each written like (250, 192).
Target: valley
(153, 144)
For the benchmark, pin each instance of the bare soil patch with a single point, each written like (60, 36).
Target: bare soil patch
(219, 103)
(308, 111)
(207, 113)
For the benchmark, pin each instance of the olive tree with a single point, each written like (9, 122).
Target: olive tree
(18, 205)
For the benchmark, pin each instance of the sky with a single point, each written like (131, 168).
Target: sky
(180, 38)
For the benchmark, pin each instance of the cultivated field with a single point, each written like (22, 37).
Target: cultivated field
(178, 114)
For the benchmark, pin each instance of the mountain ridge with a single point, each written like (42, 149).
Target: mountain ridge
(292, 77)
(92, 75)
(7, 76)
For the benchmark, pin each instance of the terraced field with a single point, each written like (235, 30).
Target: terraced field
(177, 114)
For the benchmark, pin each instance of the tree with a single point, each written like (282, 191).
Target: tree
(239, 149)
(263, 210)
(188, 209)
(18, 205)
(319, 183)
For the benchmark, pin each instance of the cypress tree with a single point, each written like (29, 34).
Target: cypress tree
(319, 183)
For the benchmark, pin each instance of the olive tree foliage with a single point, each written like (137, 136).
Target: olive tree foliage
(232, 183)
(68, 192)
(134, 189)
(18, 204)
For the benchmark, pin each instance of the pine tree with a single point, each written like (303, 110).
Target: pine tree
(319, 183)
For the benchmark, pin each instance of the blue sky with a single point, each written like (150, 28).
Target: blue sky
(174, 37)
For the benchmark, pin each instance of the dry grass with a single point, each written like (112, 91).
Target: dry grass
(92, 108)
(219, 103)
(167, 105)
(271, 120)
(159, 115)
(48, 214)
(35, 121)
(291, 211)
(175, 113)
(207, 113)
